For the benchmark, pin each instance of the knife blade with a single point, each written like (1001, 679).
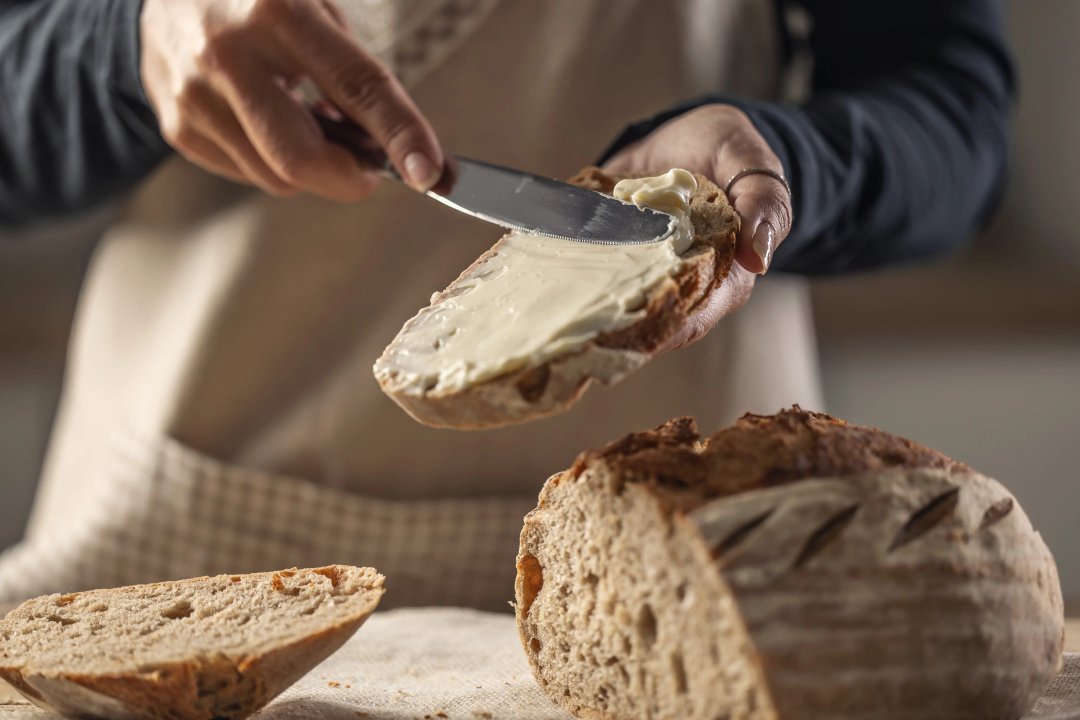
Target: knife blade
(541, 206)
(521, 201)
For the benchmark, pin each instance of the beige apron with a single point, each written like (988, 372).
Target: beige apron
(219, 411)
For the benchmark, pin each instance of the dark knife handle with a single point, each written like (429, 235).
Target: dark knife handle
(356, 140)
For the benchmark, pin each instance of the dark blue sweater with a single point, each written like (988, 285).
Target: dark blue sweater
(899, 154)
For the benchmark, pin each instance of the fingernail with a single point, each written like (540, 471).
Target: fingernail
(420, 171)
(764, 244)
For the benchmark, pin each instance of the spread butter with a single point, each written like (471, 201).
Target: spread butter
(537, 298)
(669, 193)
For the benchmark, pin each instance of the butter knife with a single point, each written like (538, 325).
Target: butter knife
(519, 200)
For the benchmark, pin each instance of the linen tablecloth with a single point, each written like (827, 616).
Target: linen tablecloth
(437, 663)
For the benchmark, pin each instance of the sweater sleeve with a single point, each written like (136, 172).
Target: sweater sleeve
(901, 151)
(75, 126)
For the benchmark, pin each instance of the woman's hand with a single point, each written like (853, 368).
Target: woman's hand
(219, 73)
(718, 141)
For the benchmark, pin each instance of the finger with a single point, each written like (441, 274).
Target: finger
(764, 207)
(725, 299)
(336, 14)
(230, 136)
(625, 161)
(328, 109)
(288, 139)
(366, 91)
(209, 113)
(204, 152)
(762, 201)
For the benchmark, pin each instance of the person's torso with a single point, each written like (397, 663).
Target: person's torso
(309, 292)
(227, 338)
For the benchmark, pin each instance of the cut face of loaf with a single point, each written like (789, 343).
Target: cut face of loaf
(542, 387)
(791, 566)
(219, 647)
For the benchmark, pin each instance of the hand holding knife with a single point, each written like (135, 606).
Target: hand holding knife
(514, 199)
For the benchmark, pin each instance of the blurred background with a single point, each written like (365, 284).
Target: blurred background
(978, 357)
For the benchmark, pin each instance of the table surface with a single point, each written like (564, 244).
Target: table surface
(14, 707)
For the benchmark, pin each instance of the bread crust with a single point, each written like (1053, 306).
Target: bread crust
(875, 577)
(538, 391)
(757, 451)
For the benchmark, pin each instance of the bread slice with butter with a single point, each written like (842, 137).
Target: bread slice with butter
(524, 331)
(200, 649)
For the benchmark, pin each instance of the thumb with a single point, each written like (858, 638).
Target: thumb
(764, 206)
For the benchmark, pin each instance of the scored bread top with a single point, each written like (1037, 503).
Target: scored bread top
(758, 451)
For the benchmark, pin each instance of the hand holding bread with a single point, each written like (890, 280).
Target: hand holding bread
(720, 141)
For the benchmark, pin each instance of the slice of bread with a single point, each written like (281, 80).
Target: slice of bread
(538, 390)
(789, 566)
(210, 647)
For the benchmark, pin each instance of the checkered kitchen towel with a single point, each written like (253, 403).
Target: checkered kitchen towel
(164, 511)
(1062, 699)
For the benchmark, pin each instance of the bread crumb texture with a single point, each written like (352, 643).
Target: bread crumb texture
(210, 647)
(791, 566)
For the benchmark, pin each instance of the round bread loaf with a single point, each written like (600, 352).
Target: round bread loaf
(790, 566)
